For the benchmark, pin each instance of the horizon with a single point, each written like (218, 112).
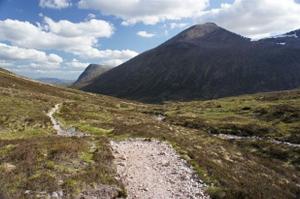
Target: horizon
(60, 38)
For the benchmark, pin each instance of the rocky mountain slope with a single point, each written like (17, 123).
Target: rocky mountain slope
(203, 62)
(89, 74)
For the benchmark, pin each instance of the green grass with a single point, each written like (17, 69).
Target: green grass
(266, 115)
(229, 168)
(25, 134)
(233, 169)
(50, 164)
(42, 161)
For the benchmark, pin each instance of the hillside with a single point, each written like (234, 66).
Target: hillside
(35, 161)
(203, 62)
(89, 74)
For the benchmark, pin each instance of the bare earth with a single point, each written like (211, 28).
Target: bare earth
(152, 169)
(58, 128)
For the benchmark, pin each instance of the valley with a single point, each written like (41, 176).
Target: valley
(149, 99)
(35, 161)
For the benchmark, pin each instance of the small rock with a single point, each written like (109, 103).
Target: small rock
(122, 164)
(7, 167)
(145, 189)
(162, 153)
(122, 157)
(60, 193)
(165, 163)
(54, 195)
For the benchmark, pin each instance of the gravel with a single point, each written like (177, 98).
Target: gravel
(152, 169)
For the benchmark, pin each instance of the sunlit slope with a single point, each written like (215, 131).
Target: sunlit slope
(34, 158)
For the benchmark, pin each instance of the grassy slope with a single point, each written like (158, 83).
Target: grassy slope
(273, 115)
(33, 158)
(232, 169)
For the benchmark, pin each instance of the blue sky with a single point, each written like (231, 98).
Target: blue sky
(58, 38)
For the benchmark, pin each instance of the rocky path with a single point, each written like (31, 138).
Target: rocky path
(58, 128)
(148, 169)
(152, 169)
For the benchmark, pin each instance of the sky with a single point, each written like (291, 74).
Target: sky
(59, 38)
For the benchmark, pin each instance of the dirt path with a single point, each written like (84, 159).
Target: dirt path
(148, 169)
(58, 128)
(154, 170)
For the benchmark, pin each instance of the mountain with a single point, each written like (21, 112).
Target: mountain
(89, 74)
(4, 71)
(203, 62)
(290, 39)
(55, 81)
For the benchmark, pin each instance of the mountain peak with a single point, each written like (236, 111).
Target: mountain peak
(208, 25)
(198, 31)
(208, 32)
(91, 72)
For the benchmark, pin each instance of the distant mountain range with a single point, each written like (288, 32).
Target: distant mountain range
(55, 81)
(90, 73)
(205, 62)
(290, 39)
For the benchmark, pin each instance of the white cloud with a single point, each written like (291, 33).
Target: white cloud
(146, 11)
(55, 4)
(113, 62)
(76, 64)
(91, 28)
(90, 16)
(145, 34)
(108, 54)
(111, 57)
(13, 54)
(256, 18)
(76, 38)
(178, 25)
(27, 42)
(79, 39)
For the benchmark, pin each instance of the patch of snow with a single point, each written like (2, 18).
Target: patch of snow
(285, 36)
(282, 43)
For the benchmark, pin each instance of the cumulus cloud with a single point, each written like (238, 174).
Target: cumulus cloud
(108, 54)
(90, 16)
(256, 18)
(76, 38)
(55, 4)
(113, 62)
(91, 28)
(34, 57)
(178, 25)
(146, 11)
(145, 34)
(28, 41)
(76, 64)
(61, 35)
